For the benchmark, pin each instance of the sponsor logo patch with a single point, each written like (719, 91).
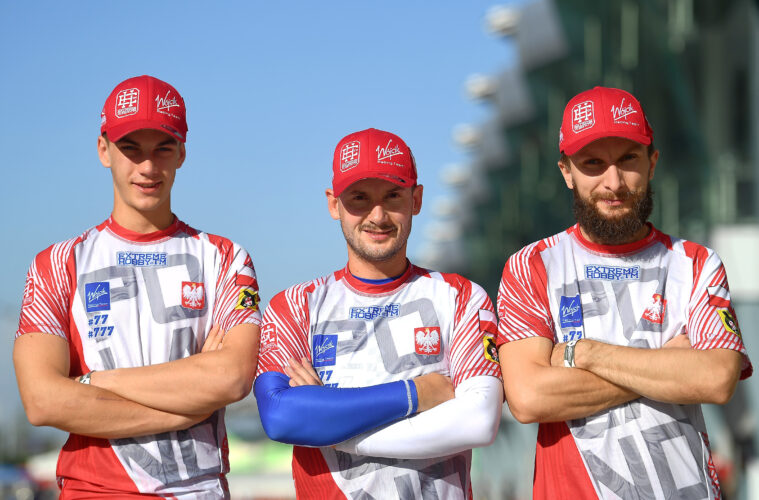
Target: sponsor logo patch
(193, 295)
(491, 351)
(570, 312)
(97, 296)
(427, 340)
(728, 320)
(28, 292)
(350, 155)
(387, 153)
(127, 103)
(325, 350)
(623, 113)
(583, 116)
(247, 299)
(656, 309)
(164, 104)
(372, 312)
(612, 273)
(141, 259)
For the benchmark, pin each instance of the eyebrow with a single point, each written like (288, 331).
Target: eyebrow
(395, 189)
(168, 141)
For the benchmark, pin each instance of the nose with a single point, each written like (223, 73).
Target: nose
(377, 214)
(146, 166)
(613, 179)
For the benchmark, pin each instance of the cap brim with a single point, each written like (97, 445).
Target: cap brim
(347, 181)
(576, 146)
(118, 131)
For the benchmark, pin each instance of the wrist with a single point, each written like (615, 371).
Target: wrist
(569, 353)
(583, 353)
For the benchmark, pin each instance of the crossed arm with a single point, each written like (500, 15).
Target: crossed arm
(135, 401)
(539, 389)
(366, 426)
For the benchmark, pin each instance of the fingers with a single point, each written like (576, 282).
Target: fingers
(681, 341)
(214, 339)
(301, 373)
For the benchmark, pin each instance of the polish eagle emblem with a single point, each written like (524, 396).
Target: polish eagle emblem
(193, 296)
(427, 340)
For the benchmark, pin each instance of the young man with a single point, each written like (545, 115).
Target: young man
(113, 322)
(380, 332)
(615, 332)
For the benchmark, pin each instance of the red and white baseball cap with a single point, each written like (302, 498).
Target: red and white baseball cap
(372, 153)
(602, 112)
(143, 102)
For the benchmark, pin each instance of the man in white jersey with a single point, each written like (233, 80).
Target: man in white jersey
(113, 323)
(379, 332)
(612, 332)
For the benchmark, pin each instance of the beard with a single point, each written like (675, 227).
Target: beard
(376, 253)
(614, 229)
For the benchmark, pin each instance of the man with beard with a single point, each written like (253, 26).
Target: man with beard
(373, 344)
(612, 333)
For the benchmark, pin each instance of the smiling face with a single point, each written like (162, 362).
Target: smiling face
(375, 216)
(610, 180)
(143, 165)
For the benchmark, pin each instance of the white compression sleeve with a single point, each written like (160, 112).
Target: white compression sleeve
(469, 420)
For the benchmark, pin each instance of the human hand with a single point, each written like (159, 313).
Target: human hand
(213, 339)
(679, 341)
(302, 373)
(431, 390)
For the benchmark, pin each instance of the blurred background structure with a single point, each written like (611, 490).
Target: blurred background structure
(694, 65)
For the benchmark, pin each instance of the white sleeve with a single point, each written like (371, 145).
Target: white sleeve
(467, 421)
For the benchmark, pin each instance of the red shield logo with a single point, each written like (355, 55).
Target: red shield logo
(656, 309)
(427, 340)
(193, 295)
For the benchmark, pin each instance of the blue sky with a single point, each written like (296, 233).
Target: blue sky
(270, 88)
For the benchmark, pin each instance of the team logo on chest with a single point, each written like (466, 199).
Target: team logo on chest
(193, 295)
(656, 309)
(570, 311)
(325, 350)
(427, 340)
(97, 296)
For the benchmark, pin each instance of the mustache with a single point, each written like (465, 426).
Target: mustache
(621, 196)
(370, 226)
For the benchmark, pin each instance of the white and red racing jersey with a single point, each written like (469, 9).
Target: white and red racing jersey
(358, 335)
(639, 295)
(122, 299)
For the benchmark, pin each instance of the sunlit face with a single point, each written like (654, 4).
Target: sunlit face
(143, 165)
(610, 179)
(375, 216)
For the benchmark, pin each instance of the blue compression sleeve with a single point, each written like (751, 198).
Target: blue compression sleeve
(313, 415)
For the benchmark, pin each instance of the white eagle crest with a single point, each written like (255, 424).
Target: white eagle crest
(428, 340)
(193, 295)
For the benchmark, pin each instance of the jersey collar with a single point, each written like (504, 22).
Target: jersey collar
(363, 287)
(126, 234)
(626, 248)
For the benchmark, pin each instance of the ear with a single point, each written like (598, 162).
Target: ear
(332, 204)
(103, 153)
(182, 154)
(566, 172)
(416, 195)
(652, 163)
